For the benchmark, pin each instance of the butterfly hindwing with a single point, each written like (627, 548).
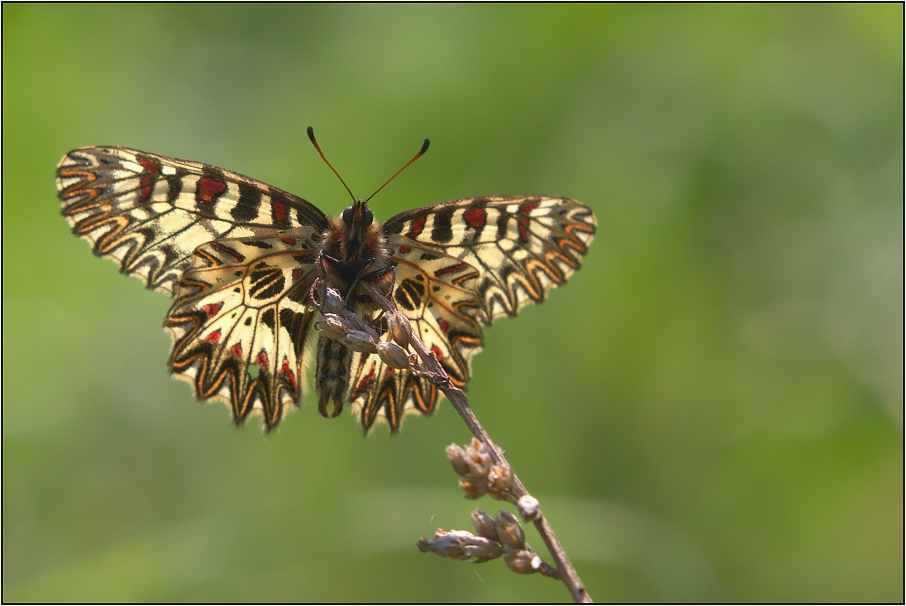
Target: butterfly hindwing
(149, 212)
(379, 392)
(438, 295)
(241, 320)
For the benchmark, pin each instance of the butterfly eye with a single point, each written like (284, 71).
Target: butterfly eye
(368, 219)
(347, 215)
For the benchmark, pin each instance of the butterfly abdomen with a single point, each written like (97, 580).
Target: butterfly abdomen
(332, 375)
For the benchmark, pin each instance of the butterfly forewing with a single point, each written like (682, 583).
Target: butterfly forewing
(240, 257)
(521, 246)
(149, 212)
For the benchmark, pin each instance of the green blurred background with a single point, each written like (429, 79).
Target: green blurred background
(711, 409)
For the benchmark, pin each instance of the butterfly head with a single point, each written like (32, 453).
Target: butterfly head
(357, 235)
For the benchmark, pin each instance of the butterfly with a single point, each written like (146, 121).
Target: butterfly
(240, 257)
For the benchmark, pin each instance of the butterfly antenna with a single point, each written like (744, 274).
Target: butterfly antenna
(311, 135)
(414, 158)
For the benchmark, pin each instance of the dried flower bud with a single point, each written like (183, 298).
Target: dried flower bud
(444, 544)
(331, 326)
(528, 508)
(484, 524)
(392, 354)
(358, 340)
(333, 302)
(477, 469)
(478, 459)
(473, 487)
(509, 530)
(523, 562)
(480, 548)
(500, 480)
(457, 457)
(355, 323)
(461, 545)
(399, 328)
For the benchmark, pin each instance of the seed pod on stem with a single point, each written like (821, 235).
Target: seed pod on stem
(510, 530)
(484, 524)
(399, 328)
(392, 355)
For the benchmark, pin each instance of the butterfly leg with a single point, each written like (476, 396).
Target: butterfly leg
(317, 286)
(381, 276)
(378, 278)
(321, 280)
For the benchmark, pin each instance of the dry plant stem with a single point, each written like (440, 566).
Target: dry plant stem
(458, 399)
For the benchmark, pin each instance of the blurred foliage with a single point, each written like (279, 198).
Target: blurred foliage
(711, 409)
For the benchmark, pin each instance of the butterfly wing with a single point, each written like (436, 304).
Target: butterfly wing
(148, 212)
(460, 264)
(437, 293)
(521, 246)
(241, 320)
(237, 255)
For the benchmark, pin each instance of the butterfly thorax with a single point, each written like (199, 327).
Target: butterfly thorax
(354, 249)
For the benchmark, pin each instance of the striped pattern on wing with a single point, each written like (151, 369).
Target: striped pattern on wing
(438, 294)
(241, 320)
(521, 246)
(149, 212)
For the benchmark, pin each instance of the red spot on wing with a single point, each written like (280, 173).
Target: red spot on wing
(212, 308)
(523, 228)
(528, 207)
(524, 210)
(147, 180)
(149, 165)
(146, 188)
(289, 241)
(237, 350)
(444, 326)
(297, 274)
(213, 337)
(279, 209)
(451, 269)
(417, 226)
(285, 370)
(366, 379)
(437, 352)
(262, 360)
(388, 371)
(208, 189)
(476, 217)
(405, 249)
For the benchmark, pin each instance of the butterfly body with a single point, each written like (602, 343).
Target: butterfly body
(353, 251)
(240, 258)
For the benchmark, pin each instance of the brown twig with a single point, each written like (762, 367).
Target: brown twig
(439, 377)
